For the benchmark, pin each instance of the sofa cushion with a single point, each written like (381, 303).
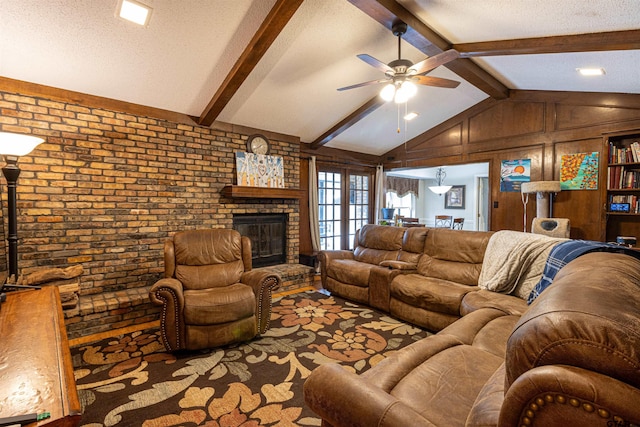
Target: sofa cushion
(219, 305)
(209, 276)
(486, 329)
(350, 271)
(374, 243)
(380, 237)
(482, 298)
(486, 408)
(444, 387)
(413, 244)
(454, 255)
(440, 376)
(429, 293)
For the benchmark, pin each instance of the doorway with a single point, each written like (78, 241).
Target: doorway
(482, 202)
(426, 204)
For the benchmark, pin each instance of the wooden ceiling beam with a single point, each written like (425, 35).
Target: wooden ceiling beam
(591, 42)
(276, 20)
(425, 39)
(367, 108)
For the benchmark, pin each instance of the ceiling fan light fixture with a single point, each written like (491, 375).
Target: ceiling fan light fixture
(406, 91)
(388, 92)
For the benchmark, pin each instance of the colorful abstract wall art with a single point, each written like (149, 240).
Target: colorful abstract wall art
(259, 170)
(513, 173)
(579, 171)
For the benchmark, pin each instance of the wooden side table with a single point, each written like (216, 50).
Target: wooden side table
(36, 372)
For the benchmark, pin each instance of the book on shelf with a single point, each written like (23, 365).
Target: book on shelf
(621, 178)
(631, 199)
(630, 154)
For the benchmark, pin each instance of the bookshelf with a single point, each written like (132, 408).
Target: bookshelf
(623, 185)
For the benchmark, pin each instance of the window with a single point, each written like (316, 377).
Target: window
(342, 209)
(329, 203)
(404, 205)
(358, 204)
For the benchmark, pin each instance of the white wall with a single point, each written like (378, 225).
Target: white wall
(430, 204)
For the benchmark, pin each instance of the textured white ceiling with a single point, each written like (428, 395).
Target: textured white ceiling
(180, 59)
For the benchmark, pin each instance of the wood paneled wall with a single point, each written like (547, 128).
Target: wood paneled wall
(541, 126)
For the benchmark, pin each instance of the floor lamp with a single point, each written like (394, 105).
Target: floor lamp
(12, 146)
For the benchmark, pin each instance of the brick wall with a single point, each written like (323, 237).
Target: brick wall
(106, 189)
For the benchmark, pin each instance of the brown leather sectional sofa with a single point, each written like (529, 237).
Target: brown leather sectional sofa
(572, 358)
(421, 275)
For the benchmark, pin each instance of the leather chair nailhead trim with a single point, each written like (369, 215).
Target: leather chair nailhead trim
(269, 283)
(163, 320)
(538, 403)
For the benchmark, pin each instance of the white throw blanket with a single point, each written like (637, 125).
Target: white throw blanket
(515, 259)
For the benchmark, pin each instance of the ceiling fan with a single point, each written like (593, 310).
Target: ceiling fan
(401, 75)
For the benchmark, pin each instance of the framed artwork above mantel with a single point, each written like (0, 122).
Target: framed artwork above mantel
(454, 198)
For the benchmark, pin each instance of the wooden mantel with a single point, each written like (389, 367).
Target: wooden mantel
(243, 192)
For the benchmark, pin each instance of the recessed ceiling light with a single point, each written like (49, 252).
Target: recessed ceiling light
(591, 71)
(412, 115)
(134, 11)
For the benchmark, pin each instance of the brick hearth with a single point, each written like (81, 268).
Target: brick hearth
(113, 310)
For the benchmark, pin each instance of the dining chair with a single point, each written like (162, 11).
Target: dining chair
(458, 223)
(443, 221)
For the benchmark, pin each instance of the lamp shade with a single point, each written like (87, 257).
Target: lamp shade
(16, 144)
(388, 92)
(440, 189)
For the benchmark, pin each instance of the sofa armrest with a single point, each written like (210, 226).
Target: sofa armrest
(168, 293)
(328, 256)
(380, 279)
(400, 265)
(343, 399)
(263, 283)
(325, 258)
(560, 395)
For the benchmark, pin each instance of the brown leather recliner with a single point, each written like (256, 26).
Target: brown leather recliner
(209, 295)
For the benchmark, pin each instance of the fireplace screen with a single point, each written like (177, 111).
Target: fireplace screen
(267, 233)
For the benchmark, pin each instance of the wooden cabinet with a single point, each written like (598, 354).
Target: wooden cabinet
(623, 185)
(36, 374)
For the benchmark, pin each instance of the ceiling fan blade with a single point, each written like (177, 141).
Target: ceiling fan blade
(436, 81)
(435, 61)
(372, 82)
(376, 63)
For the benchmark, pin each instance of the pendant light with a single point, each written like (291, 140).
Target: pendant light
(440, 189)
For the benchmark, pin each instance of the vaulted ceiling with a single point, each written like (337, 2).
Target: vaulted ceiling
(276, 64)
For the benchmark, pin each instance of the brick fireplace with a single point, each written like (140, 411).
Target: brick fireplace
(106, 189)
(268, 236)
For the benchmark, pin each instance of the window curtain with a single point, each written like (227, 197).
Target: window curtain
(402, 186)
(314, 223)
(379, 193)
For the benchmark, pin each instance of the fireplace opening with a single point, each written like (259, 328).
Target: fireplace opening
(268, 236)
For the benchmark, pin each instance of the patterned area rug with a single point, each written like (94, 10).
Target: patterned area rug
(130, 380)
